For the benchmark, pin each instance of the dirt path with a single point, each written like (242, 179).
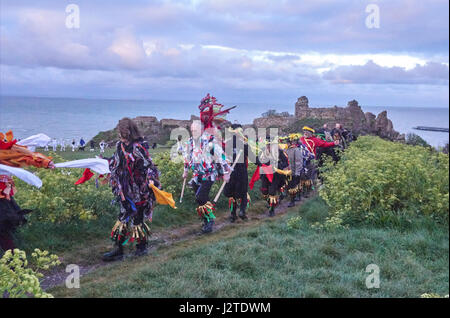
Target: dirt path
(169, 237)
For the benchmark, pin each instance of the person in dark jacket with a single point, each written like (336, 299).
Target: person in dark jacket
(11, 215)
(82, 144)
(236, 190)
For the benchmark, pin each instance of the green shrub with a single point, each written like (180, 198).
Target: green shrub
(19, 279)
(60, 200)
(416, 140)
(379, 181)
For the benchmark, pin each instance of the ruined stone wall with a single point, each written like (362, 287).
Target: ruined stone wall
(351, 117)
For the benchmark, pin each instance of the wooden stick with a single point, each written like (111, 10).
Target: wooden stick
(182, 190)
(223, 184)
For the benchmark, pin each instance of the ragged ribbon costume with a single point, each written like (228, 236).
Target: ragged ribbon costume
(135, 178)
(205, 158)
(132, 173)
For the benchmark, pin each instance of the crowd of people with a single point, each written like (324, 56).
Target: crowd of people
(60, 145)
(286, 167)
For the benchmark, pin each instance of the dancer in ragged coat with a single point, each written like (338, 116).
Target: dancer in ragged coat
(204, 156)
(132, 176)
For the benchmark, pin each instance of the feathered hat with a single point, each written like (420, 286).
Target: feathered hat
(211, 111)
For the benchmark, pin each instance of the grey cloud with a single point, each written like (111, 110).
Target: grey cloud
(430, 73)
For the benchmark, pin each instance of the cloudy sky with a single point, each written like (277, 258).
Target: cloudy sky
(239, 50)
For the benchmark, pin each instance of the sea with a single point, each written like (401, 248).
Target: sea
(70, 118)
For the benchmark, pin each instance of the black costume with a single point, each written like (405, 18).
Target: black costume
(11, 217)
(237, 188)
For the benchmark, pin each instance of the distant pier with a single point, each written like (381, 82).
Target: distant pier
(431, 128)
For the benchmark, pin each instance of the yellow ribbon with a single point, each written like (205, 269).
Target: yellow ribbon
(163, 197)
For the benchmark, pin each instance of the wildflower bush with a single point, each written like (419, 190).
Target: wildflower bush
(18, 278)
(60, 200)
(294, 223)
(379, 181)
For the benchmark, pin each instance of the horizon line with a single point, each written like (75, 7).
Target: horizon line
(195, 101)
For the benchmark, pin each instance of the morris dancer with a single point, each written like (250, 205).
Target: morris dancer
(132, 174)
(13, 155)
(295, 158)
(11, 216)
(237, 188)
(312, 143)
(205, 157)
(274, 178)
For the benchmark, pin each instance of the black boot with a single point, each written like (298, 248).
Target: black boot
(233, 216)
(292, 203)
(205, 222)
(298, 197)
(208, 227)
(272, 211)
(242, 214)
(243, 206)
(141, 248)
(115, 255)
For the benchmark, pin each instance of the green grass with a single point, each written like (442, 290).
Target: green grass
(268, 259)
(260, 259)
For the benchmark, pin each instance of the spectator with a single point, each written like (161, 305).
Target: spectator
(102, 145)
(63, 144)
(82, 144)
(54, 144)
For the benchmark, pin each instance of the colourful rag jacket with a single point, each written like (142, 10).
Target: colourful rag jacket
(205, 157)
(131, 170)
